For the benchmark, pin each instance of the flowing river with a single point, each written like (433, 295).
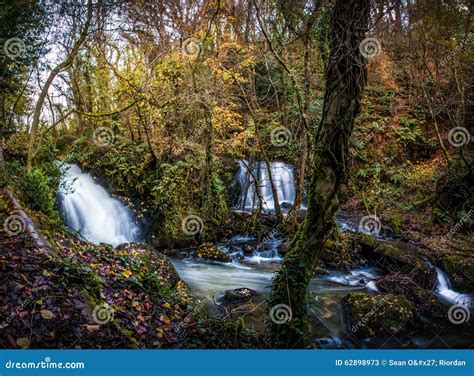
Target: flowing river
(89, 209)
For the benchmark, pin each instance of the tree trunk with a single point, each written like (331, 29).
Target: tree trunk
(2, 160)
(345, 81)
(61, 66)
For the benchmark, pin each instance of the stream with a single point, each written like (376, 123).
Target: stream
(89, 209)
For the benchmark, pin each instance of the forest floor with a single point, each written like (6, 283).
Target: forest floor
(88, 296)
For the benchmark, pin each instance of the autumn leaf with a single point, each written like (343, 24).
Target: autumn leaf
(92, 328)
(136, 305)
(47, 315)
(126, 273)
(23, 342)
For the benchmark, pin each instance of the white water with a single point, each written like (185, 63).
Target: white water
(264, 252)
(363, 277)
(283, 179)
(91, 211)
(446, 293)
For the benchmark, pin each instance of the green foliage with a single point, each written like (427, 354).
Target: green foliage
(36, 188)
(410, 132)
(167, 193)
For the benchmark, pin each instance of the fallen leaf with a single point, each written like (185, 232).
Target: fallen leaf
(23, 342)
(126, 273)
(47, 315)
(92, 328)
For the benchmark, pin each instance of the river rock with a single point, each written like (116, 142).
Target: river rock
(378, 316)
(239, 295)
(212, 252)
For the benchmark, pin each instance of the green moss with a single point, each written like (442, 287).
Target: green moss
(396, 224)
(369, 241)
(336, 250)
(378, 316)
(389, 250)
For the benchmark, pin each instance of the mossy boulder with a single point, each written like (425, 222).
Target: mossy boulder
(398, 257)
(378, 316)
(236, 296)
(212, 252)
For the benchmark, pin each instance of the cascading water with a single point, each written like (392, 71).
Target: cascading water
(446, 293)
(88, 209)
(283, 179)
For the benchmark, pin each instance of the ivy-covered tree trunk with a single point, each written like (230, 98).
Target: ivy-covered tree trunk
(345, 81)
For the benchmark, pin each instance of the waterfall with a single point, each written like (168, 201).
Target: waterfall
(283, 179)
(446, 293)
(89, 209)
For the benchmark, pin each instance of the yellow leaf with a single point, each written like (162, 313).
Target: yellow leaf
(126, 273)
(24, 342)
(47, 315)
(92, 328)
(137, 306)
(167, 305)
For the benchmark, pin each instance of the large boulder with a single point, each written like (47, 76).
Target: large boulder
(236, 296)
(378, 316)
(209, 251)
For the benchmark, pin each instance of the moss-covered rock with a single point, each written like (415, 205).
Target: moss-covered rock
(236, 296)
(212, 252)
(378, 316)
(398, 257)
